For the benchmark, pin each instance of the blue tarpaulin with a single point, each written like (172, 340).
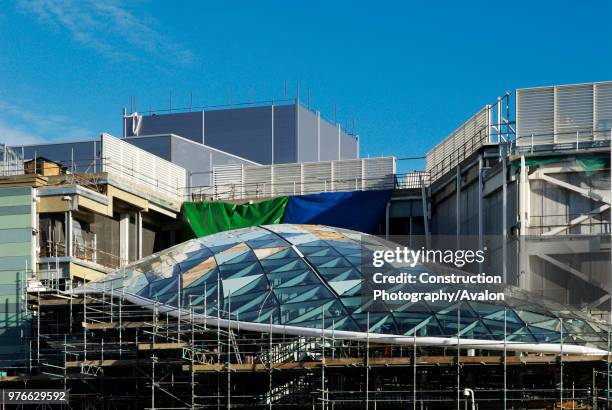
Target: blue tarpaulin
(359, 210)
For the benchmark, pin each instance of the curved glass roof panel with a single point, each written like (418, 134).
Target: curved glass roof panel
(302, 275)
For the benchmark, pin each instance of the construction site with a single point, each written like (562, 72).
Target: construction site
(176, 267)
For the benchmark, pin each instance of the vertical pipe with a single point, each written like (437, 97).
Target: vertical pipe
(414, 370)
(505, 362)
(69, 228)
(229, 342)
(504, 215)
(387, 220)
(561, 359)
(480, 206)
(323, 357)
(272, 111)
(270, 365)
(367, 361)
(339, 152)
(297, 131)
(458, 355)
(318, 136)
(458, 204)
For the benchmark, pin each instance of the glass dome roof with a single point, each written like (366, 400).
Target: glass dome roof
(300, 275)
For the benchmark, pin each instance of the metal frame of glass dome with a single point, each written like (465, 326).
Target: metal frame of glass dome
(293, 275)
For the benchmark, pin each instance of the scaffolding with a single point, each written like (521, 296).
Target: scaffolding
(110, 353)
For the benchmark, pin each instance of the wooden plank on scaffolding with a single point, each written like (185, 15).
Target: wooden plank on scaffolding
(399, 361)
(114, 325)
(161, 346)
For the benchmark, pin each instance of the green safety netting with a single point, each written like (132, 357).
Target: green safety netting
(205, 218)
(590, 165)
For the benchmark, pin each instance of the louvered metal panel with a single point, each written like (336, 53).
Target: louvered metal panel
(317, 177)
(347, 175)
(535, 116)
(235, 182)
(574, 113)
(459, 145)
(379, 173)
(258, 181)
(603, 110)
(127, 161)
(565, 114)
(227, 181)
(287, 179)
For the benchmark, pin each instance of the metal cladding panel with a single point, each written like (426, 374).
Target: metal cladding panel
(379, 173)
(603, 110)
(564, 114)
(459, 145)
(287, 179)
(317, 177)
(228, 181)
(246, 132)
(329, 141)
(17, 256)
(347, 175)
(258, 181)
(348, 146)
(285, 143)
(535, 117)
(156, 145)
(574, 112)
(186, 124)
(130, 162)
(308, 148)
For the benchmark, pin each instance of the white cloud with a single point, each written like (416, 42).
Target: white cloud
(110, 28)
(14, 135)
(20, 126)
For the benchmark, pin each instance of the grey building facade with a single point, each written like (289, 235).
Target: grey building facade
(269, 134)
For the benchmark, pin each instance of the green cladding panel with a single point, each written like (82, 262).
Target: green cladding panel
(16, 227)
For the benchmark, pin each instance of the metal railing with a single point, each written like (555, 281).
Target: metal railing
(237, 191)
(84, 252)
(593, 224)
(86, 171)
(572, 140)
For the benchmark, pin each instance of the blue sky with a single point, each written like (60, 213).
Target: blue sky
(407, 72)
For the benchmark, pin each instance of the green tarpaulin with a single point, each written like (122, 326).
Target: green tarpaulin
(205, 218)
(589, 164)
